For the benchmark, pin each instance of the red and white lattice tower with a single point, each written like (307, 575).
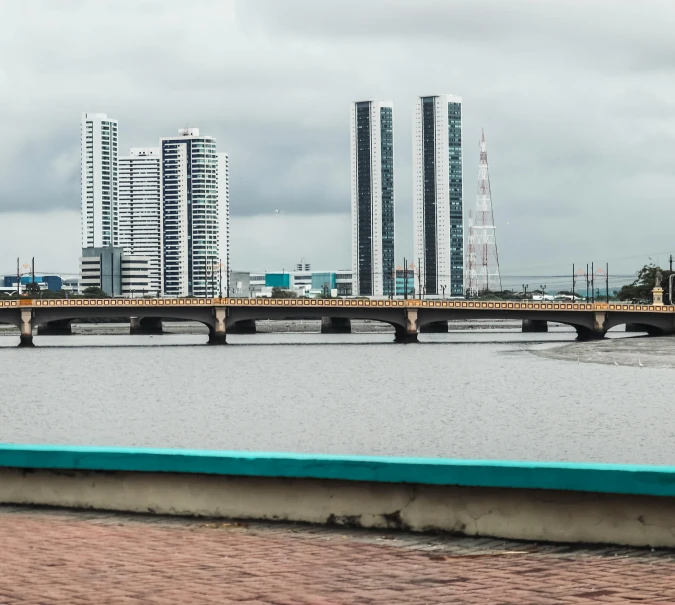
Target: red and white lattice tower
(484, 232)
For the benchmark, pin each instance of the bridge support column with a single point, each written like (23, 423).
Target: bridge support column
(409, 333)
(597, 332)
(218, 332)
(26, 328)
(55, 328)
(336, 325)
(535, 325)
(435, 327)
(245, 326)
(145, 325)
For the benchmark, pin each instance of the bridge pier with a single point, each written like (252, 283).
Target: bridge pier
(336, 325)
(26, 328)
(535, 325)
(218, 332)
(145, 325)
(597, 332)
(61, 327)
(408, 334)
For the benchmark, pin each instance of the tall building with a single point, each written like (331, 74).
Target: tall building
(437, 196)
(140, 210)
(372, 161)
(98, 180)
(195, 215)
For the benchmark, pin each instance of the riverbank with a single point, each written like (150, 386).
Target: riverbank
(648, 352)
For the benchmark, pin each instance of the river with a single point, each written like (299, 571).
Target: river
(476, 394)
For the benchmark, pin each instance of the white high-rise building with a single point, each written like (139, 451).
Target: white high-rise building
(195, 215)
(98, 180)
(140, 210)
(372, 198)
(437, 196)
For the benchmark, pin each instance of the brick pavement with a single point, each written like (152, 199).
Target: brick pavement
(77, 558)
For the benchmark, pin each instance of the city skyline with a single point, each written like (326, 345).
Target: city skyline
(579, 133)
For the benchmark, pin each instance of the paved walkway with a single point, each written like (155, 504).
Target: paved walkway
(77, 558)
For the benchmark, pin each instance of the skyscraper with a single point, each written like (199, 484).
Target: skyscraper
(140, 209)
(372, 162)
(437, 196)
(194, 204)
(98, 180)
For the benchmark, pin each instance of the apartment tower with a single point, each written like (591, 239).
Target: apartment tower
(372, 198)
(98, 180)
(140, 210)
(437, 196)
(195, 215)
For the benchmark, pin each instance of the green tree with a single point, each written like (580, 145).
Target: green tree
(94, 292)
(641, 288)
(281, 293)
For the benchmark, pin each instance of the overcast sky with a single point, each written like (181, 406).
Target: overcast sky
(577, 99)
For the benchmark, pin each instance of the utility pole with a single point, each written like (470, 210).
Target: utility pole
(573, 277)
(419, 278)
(607, 280)
(18, 277)
(671, 263)
(593, 281)
(587, 278)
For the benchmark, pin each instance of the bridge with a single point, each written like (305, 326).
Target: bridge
(408, 317)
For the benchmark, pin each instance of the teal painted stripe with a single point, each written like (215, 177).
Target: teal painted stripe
(602, 478)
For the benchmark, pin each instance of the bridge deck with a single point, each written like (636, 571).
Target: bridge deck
(475, 305)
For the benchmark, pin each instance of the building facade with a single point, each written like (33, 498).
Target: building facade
(116, 273)
(140, 210)
(195, 215)
(98, 180)
(372, 198)
(437, 196)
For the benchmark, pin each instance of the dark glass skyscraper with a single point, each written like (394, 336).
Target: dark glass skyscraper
(372, 168)
(437, 196)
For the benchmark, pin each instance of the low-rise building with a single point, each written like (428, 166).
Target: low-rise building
(116, 273)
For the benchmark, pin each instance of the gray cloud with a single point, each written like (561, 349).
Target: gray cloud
(576, 98)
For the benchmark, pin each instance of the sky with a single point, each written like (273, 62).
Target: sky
(576, 98)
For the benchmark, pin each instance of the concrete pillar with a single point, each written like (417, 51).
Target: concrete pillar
(597, 332)
(246, 326)
(55, 328)
(435, 327)
(535, 325)
(336, 325)
(145, 325)
(26, 328)
(409, 333)
(218, 332)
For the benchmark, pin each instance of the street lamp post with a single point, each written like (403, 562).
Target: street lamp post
(525, 286)
(543, 292)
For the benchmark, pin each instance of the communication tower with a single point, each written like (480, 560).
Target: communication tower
(483, 259)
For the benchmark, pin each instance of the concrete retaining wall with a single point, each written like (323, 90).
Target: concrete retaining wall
(535, 501)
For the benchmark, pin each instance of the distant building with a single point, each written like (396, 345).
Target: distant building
(53, 283)
(403, 282)
(279, 280)
(116, 273)
(437, 200)
(140, 209)
(98, 180)
(372, 197)
(195, 214)
(240, 284)
(324, 282)
(343, 283)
